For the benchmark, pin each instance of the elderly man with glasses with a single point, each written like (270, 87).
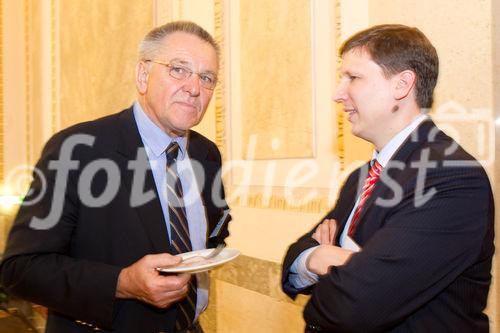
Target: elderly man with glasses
(115, 198)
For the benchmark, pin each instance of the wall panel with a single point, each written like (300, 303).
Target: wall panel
(99, 43)
(275, 62)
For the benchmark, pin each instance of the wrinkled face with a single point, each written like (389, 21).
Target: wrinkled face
(367, 96)
(172, 104)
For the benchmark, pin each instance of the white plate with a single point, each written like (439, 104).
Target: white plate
(204, 265)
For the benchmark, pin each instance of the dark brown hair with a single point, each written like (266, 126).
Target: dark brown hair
(396, 48)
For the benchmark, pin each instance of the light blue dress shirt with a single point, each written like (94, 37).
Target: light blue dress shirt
(155, 143)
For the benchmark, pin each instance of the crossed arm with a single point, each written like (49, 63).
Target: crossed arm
(416, 255)
(326, 254)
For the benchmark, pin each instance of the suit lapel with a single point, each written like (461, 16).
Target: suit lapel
(206, 175)
(150, 212)
(381, 189)
(198, 152)
(348, 197)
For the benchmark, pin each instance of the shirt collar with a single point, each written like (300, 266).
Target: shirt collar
(153, 136)
(384, 155)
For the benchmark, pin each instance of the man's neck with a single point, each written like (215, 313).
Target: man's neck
(401, 121)
(398, 139)
(150, 114)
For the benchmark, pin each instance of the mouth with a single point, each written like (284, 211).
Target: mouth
(187, 105)
(350, 113)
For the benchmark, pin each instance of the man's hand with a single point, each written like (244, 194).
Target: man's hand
(142, 281)
(325, 256)
(325, 232)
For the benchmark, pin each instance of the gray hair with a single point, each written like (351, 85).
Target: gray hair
(152, 42)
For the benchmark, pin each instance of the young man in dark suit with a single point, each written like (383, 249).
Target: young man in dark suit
(115, 198)
(409, 244)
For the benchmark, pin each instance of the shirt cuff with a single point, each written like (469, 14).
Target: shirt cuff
(300, 276)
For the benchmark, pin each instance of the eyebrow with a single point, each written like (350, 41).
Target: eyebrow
(187, 64)
(350, 72)
(181, 61)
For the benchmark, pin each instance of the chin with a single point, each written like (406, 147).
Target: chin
(187, 126)
(185, 123)
(182, 129)
(354, 131)
(357, 133)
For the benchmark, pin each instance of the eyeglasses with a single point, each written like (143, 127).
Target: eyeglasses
(207, 80)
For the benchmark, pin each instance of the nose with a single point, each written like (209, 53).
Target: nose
(192, 85)
(340, 93)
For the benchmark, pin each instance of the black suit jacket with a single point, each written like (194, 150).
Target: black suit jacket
(426, 257)
(72, 268)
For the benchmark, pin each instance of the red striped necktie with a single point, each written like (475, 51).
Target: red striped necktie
(370, 182)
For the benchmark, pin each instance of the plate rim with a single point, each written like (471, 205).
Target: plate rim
(195, 269)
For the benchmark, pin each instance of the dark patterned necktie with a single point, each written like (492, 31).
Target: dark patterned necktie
(179, 234)
(370, 182)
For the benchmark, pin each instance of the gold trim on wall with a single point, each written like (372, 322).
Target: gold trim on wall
(54, 40)
(27, 64)
(1, 98)
(340, 143)
(220, 119)
(318, 205)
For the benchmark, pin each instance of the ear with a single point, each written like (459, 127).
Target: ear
(141, 77)
(404, 82)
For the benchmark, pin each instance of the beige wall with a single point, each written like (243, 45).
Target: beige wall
(461, 31)
(65, 61)
(98, 53)
(463, 39)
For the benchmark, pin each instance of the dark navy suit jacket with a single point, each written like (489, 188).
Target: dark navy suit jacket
(426, 259)
(72, 268)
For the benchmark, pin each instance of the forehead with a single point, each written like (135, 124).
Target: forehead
(359, 59)
(189, 48)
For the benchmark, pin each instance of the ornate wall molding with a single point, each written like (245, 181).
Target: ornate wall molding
(220, 119)
(42, 78)
(28, 76)
(323, 69)
(319, 205)
(340, 143)
(55, 69)
(1, 98)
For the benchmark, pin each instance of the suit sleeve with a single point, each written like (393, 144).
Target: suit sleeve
(419, 251)
(38, 264)
(306, 241)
